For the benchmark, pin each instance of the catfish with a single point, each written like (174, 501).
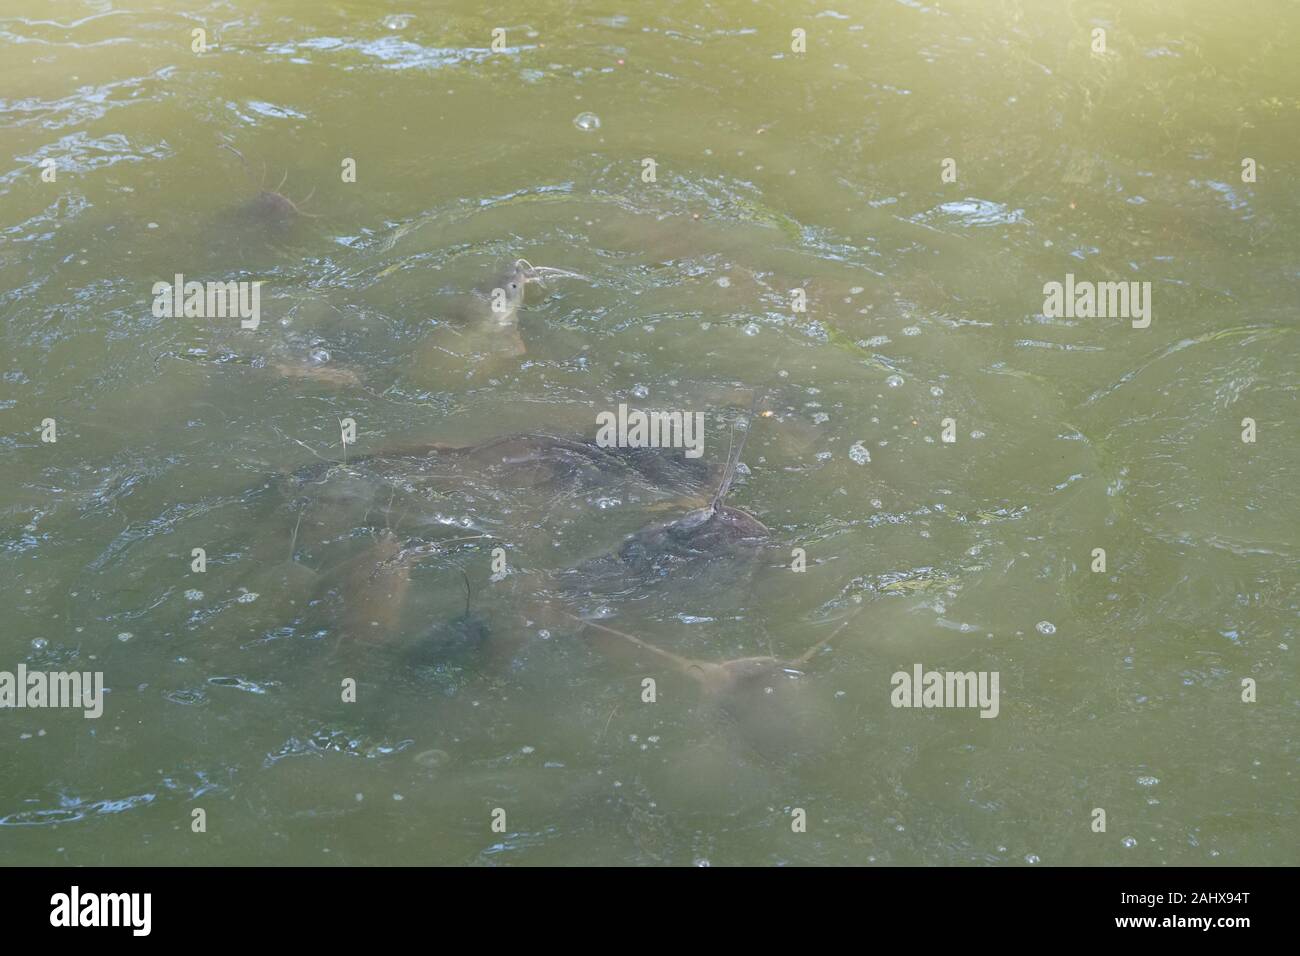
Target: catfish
(727, 541)
(480, 330)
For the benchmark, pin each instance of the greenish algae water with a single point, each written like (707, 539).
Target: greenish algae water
(773, 171)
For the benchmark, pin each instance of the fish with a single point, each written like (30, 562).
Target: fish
(560, 466)
(764, 696)
(365, 526)
(270, 207)
(300, 353)
(482, 327)
(337, 376)
(727, 540)
(375, 587)
(467, 632)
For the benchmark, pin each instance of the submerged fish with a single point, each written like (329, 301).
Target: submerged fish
(293, 339)
(764, 695)
(314, 366)
(727, 540)
(453, 639)
(375, 586)
(369, 523)
(484, 475)
(270, 207)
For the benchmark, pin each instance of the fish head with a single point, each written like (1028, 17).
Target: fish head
(514, 286)
(717, 529)
(517, 279)
(508, 291)
(703, 533)
(740, 674)
(740, 524)
(464, 634)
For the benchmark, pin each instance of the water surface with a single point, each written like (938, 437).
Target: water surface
(773, 171)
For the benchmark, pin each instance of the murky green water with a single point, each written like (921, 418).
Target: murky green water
(773, 172)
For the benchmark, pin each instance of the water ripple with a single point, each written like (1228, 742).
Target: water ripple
(73, 810)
